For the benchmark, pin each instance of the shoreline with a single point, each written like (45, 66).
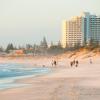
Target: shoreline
(52, 87)
(16, 79)
(64, 83)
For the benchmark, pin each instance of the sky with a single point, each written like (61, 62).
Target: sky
(28, 21)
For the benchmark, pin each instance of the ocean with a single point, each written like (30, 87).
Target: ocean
(9, 72)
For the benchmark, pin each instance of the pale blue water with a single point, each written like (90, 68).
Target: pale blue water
(9, 72)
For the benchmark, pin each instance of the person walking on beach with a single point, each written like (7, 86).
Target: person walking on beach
(71, 64)
(76, 63)
(55, 63)
(90, 61)
(52, 63)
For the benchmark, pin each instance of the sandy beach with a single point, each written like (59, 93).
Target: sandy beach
(63, 83)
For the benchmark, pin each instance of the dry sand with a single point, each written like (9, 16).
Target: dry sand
(64, 83)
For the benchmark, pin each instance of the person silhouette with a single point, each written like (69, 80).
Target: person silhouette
(90, 61)
(76, 63)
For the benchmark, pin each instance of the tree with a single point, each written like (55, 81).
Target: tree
(59, 45)
(9, 47)
(51, 44)
(91, 42)
(77, 45)
(1, 49)
(96, 43)
(28, 46)
(44, 44)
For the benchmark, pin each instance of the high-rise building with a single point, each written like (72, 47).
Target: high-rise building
(81, 30)
(73, 32)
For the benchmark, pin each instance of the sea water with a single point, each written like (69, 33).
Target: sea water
(9, 72)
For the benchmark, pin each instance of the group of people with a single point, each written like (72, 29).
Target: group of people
(74, 63)
(54, 62)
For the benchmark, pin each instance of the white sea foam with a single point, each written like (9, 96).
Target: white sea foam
(6, 70)
(4, 81)
(12, 85)
(9, 73)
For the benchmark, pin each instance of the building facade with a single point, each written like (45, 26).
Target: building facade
(81, 30)
(73, 32)
(92, 27)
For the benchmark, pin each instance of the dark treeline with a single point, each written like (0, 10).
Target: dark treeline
(43, 48)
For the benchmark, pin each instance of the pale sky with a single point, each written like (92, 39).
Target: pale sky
(27, 21)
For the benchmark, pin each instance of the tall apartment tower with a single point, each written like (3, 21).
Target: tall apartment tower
(81, 30)
(92, 28)
(73, 32)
